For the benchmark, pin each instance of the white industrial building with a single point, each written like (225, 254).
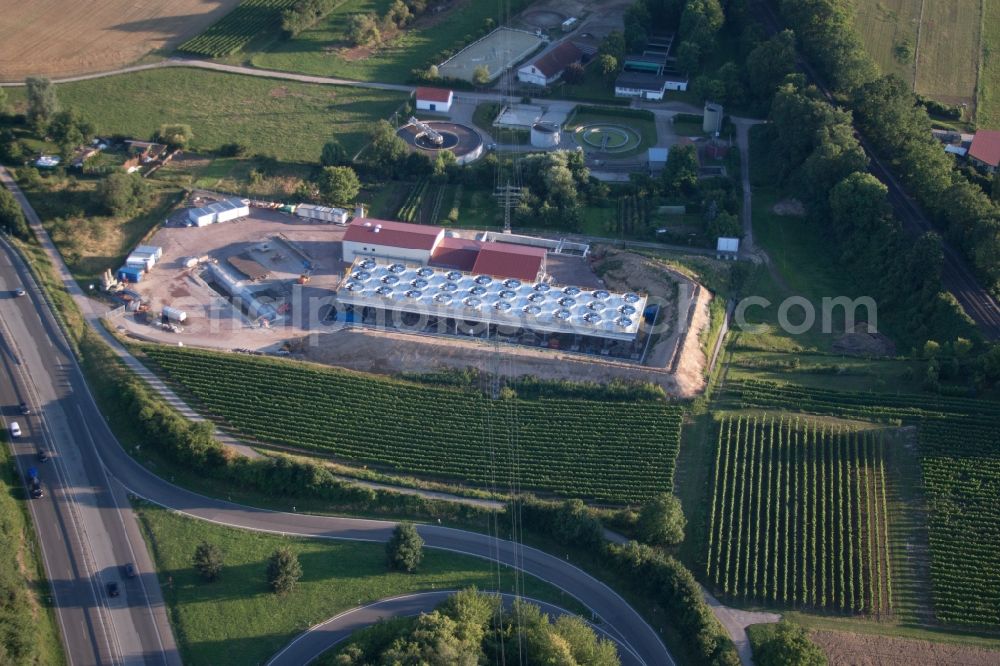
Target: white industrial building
(218, 211)
(463, 298)
(385, 238)
(322, 213)
(647, 86)
(434, 99)
(548, 67)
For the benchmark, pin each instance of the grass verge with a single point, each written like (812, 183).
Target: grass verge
(28, 630)
(238, 620)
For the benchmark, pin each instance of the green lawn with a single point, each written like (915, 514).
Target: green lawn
(324, 49)
(28, 632)
(288, 120)
(238, 620)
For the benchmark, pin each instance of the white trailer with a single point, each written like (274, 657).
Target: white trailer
(154, 250)
(313, 212)
(143, 261)
(173, 314)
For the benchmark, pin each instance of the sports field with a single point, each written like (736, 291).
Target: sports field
(498, 50)
(932, 44)
(59, 38)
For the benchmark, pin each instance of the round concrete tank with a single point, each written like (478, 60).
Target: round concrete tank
(713, 118)
(544, 135)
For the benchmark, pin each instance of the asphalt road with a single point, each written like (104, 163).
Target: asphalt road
(85, 527)
(312, 643)
(91, 456)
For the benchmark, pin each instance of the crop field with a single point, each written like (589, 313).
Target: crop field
(288, 120)
(888, 29)
(799, 516)
(961, 463)
(959, 452)
(235, 30)
(58, 38)
(942, 38)
(610, 451)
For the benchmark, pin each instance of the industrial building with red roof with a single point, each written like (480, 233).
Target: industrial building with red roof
(429, 245)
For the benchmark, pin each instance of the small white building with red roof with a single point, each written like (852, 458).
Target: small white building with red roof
(434, 99)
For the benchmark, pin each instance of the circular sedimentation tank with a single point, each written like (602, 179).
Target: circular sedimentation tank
(463, 141)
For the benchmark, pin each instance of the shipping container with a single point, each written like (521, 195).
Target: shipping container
(129, 274)
(154, 250)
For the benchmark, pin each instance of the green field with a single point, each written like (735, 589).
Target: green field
(238, 620)
(288, 120)
(798, 515)
(961, 475)
(324, 50)
(235, 30)
(943, 37)
(28, 630)
(612, 451)
(988, 103)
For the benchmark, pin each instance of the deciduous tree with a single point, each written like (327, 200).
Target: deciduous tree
(208, 560)
(283, 570)
(405, 550)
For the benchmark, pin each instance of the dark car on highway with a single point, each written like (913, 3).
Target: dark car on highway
(113, 589)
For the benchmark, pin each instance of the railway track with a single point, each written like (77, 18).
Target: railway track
(955, 274)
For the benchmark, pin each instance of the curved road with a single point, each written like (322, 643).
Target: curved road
(317, 639)
(91, 442)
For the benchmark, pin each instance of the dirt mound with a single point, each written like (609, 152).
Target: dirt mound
(862, 343)
(789, 207)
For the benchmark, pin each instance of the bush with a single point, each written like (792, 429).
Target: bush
(207, 561)
(405, 549)
(283, 570)
(783, 644)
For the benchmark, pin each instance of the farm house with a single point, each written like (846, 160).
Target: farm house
(434, 99)
(550, 66)
(219, 211)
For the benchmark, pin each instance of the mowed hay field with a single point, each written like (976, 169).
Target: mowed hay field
(944, 37)
(988, 107)
(58, 38)
(288, 120)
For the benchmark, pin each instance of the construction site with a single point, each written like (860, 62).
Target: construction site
(391, 296)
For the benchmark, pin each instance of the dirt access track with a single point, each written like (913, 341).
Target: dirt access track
(59, 38)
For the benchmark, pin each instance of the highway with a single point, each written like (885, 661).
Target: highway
(85, 527)
(96, 533)
(955, 274)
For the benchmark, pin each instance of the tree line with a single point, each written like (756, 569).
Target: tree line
(892, 117)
